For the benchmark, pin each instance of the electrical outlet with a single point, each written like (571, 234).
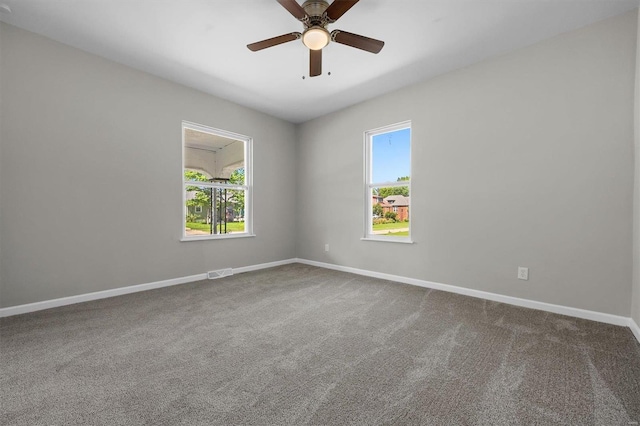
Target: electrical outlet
(326, 247)
(523, 273)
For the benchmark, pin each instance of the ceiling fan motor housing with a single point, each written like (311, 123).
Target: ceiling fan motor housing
(315, 11)
(315, 35)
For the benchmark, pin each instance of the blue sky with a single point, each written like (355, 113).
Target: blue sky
(390, 154)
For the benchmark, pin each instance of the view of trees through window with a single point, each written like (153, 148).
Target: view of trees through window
(389, 181)
(217, 182)
(212, 210)
(390, 212)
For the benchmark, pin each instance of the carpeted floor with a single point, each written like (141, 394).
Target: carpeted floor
(302, 345)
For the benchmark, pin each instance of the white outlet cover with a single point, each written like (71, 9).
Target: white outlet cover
(523, 273)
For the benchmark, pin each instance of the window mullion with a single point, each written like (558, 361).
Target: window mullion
(215, 185)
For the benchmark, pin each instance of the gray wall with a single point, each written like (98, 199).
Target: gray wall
(1, 149)
(522, 160)
(635, 308)
(91, 175)
(526, 159)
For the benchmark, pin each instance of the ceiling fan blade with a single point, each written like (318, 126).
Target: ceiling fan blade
(315, 62)
(339, 8)
(294, 8)
(270, 42)
(359, 42)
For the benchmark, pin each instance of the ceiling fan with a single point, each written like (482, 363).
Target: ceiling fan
(315, 16)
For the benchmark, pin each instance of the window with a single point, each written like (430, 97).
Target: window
(388, 183)
(217, 191)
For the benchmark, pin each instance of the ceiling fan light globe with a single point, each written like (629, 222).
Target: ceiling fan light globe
(315, 38)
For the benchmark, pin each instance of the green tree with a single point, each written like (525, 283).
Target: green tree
(202, 196)
(394, 190)
(377, 210)
(237, 177)
(197, 176)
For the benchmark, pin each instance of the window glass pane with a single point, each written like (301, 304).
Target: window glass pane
(217, 182)
(235, 208)
(388, 172)
(198, 210)
(211, 211)
(212, 157)
(391, 159)
(390, 211)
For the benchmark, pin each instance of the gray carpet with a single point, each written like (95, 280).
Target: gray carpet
(302, 345)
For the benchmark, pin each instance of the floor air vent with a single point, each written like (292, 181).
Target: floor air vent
(212, 275)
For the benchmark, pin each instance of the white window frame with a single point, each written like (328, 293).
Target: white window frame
(369, 185)
(248, 184)
(197, 209)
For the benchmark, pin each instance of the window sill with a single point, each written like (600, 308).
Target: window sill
(388, 240)
(217, 237)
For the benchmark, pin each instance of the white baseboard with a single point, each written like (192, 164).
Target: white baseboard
(263, 266)
(542, 306)
(63, 301)
(634, 328)
(557, 309)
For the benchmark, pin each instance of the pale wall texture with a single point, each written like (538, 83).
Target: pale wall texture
(521, 160)
(1, 149)
(91, 175)
(635, 308)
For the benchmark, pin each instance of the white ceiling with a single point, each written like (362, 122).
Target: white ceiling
(202, 43)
